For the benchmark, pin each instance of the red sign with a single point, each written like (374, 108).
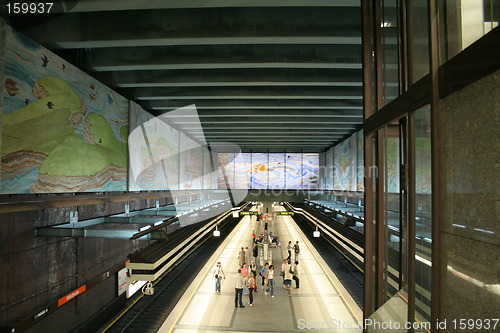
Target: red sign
(71, 295)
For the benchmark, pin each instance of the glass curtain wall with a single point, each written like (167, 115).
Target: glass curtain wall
(422, 192)
(390, 25)
(462, 22)
(401, 239)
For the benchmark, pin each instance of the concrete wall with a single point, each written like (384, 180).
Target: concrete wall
(36, 271)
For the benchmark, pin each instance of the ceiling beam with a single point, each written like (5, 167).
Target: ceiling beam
(119, 5)
(153, 27)
(222, 57)
(233, 78)
(254, 104)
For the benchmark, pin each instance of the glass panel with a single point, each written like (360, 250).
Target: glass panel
(293, 168)
(374, 173)
(310, 171)
(225, 163)
(395, 309)
(277, 170)
(419, 41)
(242, 170)
(463, 22)
(423, 216)
(392, 216)
(390, 23)
(259, 177)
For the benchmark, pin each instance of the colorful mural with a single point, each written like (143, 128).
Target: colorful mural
(269, 171)
(259, 175)
(277, 170)
(361, 161)
(310, 171)
(225, 170)
(191, 164)
(242, 170)
(208, 170)
(154, 152)
(345, 165)
(293, 171)
(329, 170)
(392, 165)
(423, 184)
(63, 131)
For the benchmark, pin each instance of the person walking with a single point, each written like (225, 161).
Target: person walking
(250, 286)
(296, 249)
(263, 273)
(270, 281)
(239, 283)
(241, 256)
(296, 274)
(218, 275)
(289, 248)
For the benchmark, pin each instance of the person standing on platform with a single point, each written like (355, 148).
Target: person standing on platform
(250, 286)
(253, 236)
(239, 283)
(296, 249)
(289, 248)
(255, 252)
(270, 280)
(288, 277)
(241, 256)
(263, 273)
(296, 274)
(247, 254)
(244, 273)
(284, 267)
(253, 270)
(218, 276)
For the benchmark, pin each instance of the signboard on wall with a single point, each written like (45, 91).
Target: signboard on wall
(122, 281)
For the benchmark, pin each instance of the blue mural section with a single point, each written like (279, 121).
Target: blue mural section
(270, 171)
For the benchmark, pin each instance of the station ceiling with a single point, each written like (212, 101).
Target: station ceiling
(269, 76)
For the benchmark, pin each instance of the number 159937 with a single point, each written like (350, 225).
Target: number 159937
(29, 7)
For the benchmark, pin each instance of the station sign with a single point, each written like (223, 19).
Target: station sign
(71, 295)
(285, 213)
(249, 213)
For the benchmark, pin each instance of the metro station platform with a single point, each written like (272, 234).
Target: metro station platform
(321, 303)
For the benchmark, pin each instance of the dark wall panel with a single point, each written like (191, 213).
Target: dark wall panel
(37, 271)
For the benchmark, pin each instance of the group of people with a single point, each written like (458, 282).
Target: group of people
(273, 239)
(246, 278)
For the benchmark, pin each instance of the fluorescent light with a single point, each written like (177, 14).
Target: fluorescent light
(485, 231)
(145, 228)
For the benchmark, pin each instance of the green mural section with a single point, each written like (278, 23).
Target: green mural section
(62, 130)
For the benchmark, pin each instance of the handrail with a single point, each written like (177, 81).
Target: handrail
(348, 244)
(176, 252)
